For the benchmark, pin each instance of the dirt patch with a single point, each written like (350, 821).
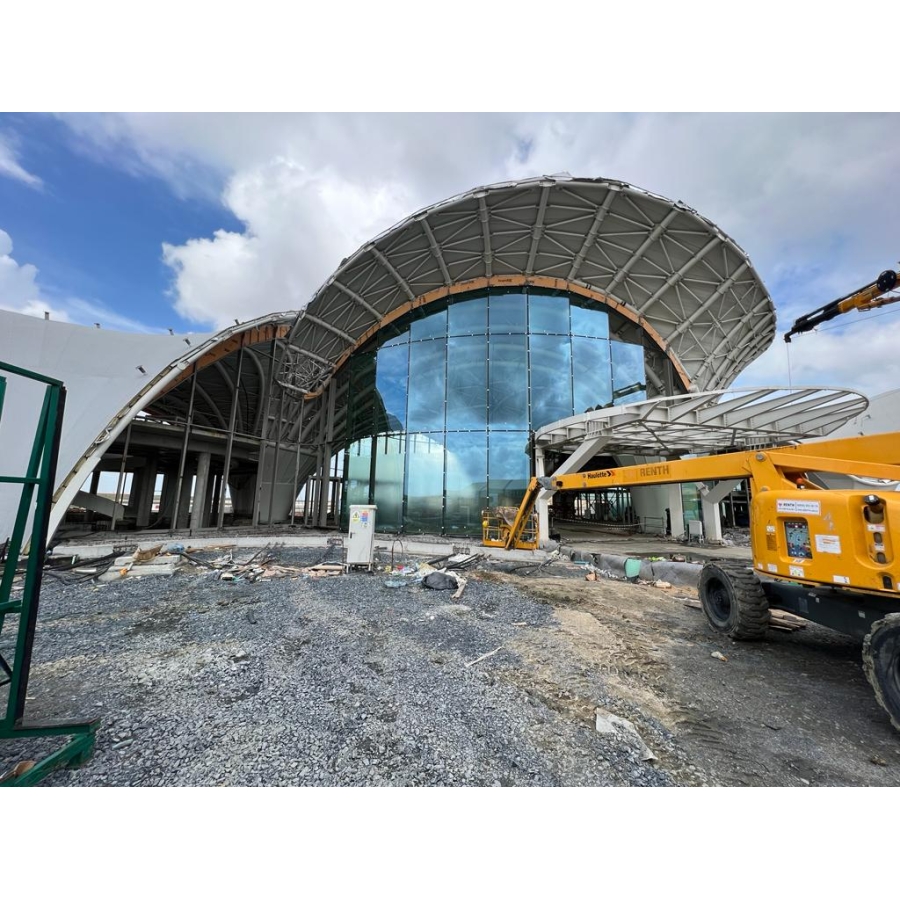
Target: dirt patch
(794, 709)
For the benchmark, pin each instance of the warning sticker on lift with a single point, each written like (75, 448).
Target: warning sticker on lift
(828, 543)
(841, 579)
(807, 507)
(796, 571)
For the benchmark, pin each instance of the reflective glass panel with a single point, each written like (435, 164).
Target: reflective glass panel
(628, 372)
(427, 379)
(468, 317)
(589, 320)
(392, 374)
(509, 467)
(466, 382)
(393, 334)
(551, 378)
(548, 314)
(434, 325)
(361, 416)
(389, 458)
(359, 460)
(466, 481)
(507, 313)
(591, 378)
(508, 366)
(424, 483)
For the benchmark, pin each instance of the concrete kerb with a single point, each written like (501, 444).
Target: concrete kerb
(660, 570)
(411, 546)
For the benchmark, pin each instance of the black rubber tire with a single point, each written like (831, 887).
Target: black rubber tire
(881, 662)
(734, 601)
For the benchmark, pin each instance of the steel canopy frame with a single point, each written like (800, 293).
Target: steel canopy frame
(707, 422)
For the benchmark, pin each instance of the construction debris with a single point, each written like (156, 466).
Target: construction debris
(259, 567)
(483, 657)
(785, 621)
(441, 581)
(322, 570)
(148, 554)
(616, 726)
(719, 656)
(779, 619)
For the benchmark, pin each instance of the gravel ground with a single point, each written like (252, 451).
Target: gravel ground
(332, 681)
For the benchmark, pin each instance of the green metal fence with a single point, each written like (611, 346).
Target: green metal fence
(21, 613)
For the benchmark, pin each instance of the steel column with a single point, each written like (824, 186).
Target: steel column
(235, 403)
(184, 449)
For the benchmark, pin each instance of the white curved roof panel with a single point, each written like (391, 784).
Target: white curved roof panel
(659, 261)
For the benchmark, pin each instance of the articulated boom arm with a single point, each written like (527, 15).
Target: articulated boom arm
(866, 298)
(778, 468)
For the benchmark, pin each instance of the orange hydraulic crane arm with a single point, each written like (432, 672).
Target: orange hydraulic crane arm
(876, 456)
(871, 296)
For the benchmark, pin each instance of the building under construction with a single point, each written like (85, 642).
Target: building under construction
(517, 329)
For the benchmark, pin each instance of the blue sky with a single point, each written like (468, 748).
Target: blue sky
(188, 221)
(94, 230)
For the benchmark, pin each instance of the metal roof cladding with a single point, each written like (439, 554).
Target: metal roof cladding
(658, 261)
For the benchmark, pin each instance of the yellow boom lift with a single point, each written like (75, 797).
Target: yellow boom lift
(825, 555)
(871, 296)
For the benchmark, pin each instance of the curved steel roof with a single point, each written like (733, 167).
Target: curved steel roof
(659, 261)
(110, 377)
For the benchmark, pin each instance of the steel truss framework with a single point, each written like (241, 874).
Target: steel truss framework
(660, 263)
(708, 422)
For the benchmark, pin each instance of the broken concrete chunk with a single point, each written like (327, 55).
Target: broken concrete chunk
(148, 554)
(609, 724)
(716, 655)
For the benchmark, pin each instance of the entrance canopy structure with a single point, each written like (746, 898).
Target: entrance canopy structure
(694, 425)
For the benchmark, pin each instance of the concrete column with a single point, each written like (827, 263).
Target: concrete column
(167, 494)
(208, 514)
(712, 521)
(542, 504)
(201, 491)
(649, 504)
(134, 492)
(95, 487)
(216, 483)
(185, 499)
(144, 504)
(675, 506)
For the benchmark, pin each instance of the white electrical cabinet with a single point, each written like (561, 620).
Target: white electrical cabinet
(361, 542)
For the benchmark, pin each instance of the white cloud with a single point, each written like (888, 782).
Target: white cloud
(860, 354)
(20, 292)
(10, 166)
(298, 224)
(807, 196)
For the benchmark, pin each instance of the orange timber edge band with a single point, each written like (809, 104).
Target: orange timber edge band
(257, 335)
(474, 284)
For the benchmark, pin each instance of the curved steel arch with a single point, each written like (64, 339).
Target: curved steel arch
(691, 287)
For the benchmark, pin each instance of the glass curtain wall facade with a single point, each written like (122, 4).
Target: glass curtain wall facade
(442, 402)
